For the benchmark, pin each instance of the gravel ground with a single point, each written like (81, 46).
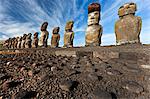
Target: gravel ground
(44, 76)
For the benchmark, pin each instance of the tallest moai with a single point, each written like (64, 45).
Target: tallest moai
(128, 27)
(94, 30)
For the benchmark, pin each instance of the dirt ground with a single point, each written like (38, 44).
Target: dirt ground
(46, 76)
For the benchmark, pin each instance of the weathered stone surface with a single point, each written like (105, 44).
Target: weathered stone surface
(44, 35)
(69, 34)
(128, 27)
(35, 40)
(94, 30)
(55, 37)
(28, 41)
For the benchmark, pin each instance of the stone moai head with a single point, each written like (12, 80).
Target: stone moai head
(56, 30)
(44, 26)
(24, 36)
(36, 35)
(29, 35)
(20, 38)
(93, 13)
(69, 26)
(126, 9)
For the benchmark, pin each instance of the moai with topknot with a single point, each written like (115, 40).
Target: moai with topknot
(44, 35)
(28, 41)
(128, 27)
(94, 29)
(23, 41)
(19, 39)
(69, 34)
(35, 40)
(55, 37)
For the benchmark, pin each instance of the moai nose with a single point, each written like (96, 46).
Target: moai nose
(92, 15)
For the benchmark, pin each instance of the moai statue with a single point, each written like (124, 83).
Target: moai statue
(28, 41)
(9, 43)
(35, 40)
(19, 39)
(128, 27)
(13, 43)
(16, 42)
(55, 38)
(44, 35)
(94, 30)
(6, 44)
(69, 34)
(23, 40)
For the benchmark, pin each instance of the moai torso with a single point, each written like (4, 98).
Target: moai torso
(35, 40)
(94, 30)
(69, 34)
(128, 27)
(55, 37)
(28, 41)
(44, 35)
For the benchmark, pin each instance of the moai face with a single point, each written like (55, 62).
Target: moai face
(36, 35)
(128, 28)
(44, 26)
(69, 26)
(56, 30)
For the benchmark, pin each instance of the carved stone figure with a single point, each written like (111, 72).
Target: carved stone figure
(69, 34)
(35, 40)
(94, 30)
(28, 41)
(15, 42)
(19, 42)
(44, 35)
(23, 41)
(55, 37)
(6, 44)
(128, 27)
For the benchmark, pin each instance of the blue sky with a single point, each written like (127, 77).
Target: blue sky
(26, 16)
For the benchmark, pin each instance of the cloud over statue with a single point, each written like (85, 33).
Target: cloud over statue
(47, 64)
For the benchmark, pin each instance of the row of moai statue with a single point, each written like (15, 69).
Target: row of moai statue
(127, 30)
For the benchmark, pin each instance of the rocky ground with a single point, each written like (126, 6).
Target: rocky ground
(45, 76)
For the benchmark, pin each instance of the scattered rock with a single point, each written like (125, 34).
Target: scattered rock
(68, 85)
(133, 87)
(100, 94)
